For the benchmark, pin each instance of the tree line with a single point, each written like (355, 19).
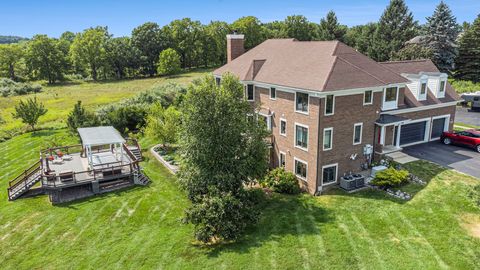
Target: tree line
(95, 54)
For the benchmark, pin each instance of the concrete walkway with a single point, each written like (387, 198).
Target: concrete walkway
(401, 157)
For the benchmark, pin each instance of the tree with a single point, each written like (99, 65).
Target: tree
(222, 152)
(10, 55)
(148, 39)
(80, 117)
(412, 52)
(122, 56)
(360, 37)
(298, 27)
(89, 49)
(468, 60)
(275, 29)
(169, 62)
(30, 111)
(442, 32)
(45, 59)
(253, 30)
(216, 31)
(185, 37)
(330, 29)
(163, 124)
(396, 26)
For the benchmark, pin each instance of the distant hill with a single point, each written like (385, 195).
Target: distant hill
(11, 39)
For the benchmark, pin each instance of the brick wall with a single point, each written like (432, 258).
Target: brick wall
(235, 48)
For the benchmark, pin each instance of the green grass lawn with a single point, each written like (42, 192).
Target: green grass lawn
(141, 227)
(59, 99)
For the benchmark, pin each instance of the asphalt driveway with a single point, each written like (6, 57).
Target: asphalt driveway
(462, 159)
(467, 116)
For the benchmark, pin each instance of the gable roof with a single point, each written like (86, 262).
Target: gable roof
(310, 65)
(102, 135)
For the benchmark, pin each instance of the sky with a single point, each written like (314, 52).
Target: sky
(29, 17)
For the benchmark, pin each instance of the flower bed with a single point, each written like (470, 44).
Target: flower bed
(167, 155)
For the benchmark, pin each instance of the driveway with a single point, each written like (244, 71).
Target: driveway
(467, 116)
(462, 159)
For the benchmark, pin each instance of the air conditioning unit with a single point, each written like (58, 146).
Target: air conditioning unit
(348, 182)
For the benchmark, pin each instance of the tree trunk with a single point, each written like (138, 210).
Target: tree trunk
(94, 73)
(11, 70)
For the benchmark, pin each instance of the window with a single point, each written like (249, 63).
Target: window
(329, 104)
(301, 102)
(357, 133)
(441, 91)
(329, 174)
(281, 159)
(327, 138)
(265, 119)
(250, 92)
(301, 169)
(283, 127)
(301, 136)
(273, 93)
(391, 94)
(217, 80)
(422, 95)
(368, 97)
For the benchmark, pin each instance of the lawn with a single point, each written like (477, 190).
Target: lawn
(59, 99)
(141, 227)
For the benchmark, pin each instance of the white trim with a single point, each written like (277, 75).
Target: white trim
(295, 136)
(280, 160)
(308, 103)
(333, 106)
(361, 133)
(421, 108)
(336, 174)
(382, 135)
(441, 94)
(421, 97)
(280, 127)
(269, 120)
(389, 103)
(371, 99)
(246, 92)
(331, 139)
(295, 159)
(446, 125)
(235, 36)
(270, 93)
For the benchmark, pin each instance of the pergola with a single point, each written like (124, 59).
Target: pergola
(100, 136)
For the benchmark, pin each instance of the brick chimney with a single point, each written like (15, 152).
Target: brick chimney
(234, 46)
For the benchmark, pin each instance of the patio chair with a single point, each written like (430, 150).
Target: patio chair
(58, 160)
(67, 157)
(66, 176)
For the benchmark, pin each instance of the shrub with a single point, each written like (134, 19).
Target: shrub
(79, 117)
(9, 87)
(390, 177)
(125, 118)
(168, 62)
(281, 181)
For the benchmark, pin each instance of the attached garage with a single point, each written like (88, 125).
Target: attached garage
(413, 133)
(439, 125)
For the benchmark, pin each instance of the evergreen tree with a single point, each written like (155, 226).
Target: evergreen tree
(330, 29)
(468, 60)
(80, 117)
(396, 26)
(442, 31)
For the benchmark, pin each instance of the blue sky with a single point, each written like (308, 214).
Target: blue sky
(29, 17)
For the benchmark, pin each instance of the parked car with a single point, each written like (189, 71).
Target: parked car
(469, 138)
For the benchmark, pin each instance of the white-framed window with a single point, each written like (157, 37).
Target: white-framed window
(250, 92)
(301, 102)
(300, 169)
(390, 97)
(281, 159)
(441, 88)
(301, 136)
(329, 105)
(422, 92)
(267, 119)
(329, 174)
(273, 93)
(327, 138)
(357, 133)
(283, 127)
(368, 97)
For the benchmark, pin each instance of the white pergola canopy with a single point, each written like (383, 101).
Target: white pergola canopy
(94, 136)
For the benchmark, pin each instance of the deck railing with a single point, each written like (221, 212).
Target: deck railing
(25, 175)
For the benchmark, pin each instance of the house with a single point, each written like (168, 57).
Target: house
(332, 110)
(103, 162)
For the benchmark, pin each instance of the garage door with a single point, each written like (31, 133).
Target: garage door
(437, 127)
(412, 133)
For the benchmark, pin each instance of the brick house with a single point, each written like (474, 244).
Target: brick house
(328, 105)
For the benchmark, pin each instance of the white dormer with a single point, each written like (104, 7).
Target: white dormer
(437, 82)
(418, 85)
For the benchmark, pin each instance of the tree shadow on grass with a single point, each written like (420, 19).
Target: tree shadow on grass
(282, 216)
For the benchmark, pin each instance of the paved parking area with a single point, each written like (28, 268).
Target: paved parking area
(467, 116)
(462, 159)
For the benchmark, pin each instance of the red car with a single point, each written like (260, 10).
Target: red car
(469, 138)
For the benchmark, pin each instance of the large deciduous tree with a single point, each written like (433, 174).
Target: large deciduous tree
(185, 37)
(149, 40)
(360, 37)
(29, 111)
(330, 28)
(10, 56)
(468, 60)
(396, 26)
(253, 30)
(46, 58)
(298, 27)
(122, 56)
(89, 50)
(223, 150)
(442, 32)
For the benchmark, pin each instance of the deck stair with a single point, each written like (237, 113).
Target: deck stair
(136, 152)
(114, 185)
(24, 182)
(143, 179)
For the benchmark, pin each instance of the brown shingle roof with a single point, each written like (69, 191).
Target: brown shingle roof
(312, 65)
